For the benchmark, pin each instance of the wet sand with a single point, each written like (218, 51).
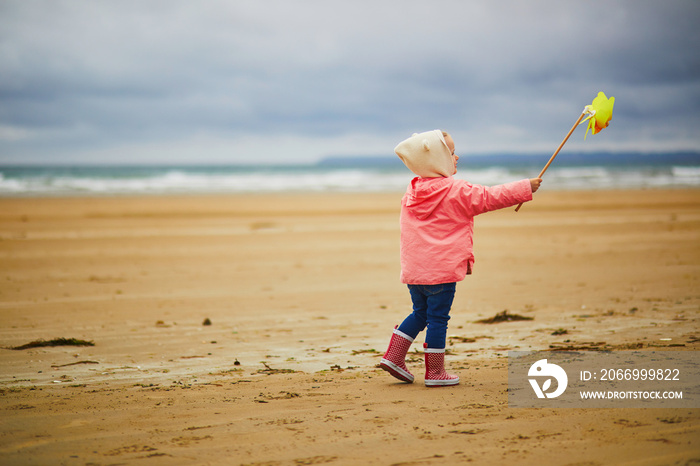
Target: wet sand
(302, 293)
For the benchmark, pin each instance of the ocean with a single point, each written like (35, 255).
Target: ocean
(350, 174)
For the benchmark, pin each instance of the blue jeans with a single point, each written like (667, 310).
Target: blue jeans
(431, 308)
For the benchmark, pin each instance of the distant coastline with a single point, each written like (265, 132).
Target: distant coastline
(564, 159)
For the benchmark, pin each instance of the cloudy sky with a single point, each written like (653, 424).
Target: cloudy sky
(287, 81)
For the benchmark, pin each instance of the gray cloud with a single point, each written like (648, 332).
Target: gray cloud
(277, 80)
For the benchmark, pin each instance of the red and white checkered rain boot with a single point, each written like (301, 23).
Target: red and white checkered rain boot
(394, 360)
(435, 375)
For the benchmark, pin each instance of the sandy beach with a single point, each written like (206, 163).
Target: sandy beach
(246, 329)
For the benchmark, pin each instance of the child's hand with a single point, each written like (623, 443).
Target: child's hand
(535, 184)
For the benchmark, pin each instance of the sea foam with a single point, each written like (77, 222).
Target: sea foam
(77, 180)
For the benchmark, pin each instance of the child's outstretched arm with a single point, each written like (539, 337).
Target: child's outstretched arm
(480, 199)
(535, 184)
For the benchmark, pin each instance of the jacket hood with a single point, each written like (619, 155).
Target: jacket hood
(424, 195)
(427, 155)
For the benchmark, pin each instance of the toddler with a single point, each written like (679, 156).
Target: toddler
(437, 222)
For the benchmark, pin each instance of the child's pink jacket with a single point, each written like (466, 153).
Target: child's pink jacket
(437, 224)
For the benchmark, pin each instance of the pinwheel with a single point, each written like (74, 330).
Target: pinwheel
(599, 115)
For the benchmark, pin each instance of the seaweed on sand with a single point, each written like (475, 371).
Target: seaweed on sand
(41, 343)
(503, 317)
(366, 351)
(269, 370)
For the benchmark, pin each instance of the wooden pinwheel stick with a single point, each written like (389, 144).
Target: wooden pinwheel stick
(571, 131)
